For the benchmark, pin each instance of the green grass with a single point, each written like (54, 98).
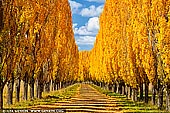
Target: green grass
(48, 98)
(127, 105)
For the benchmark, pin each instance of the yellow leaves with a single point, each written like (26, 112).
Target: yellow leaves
(143, 31)
(22, 18)
(166, 60)
(84, 65)
(130, 38)
(37, 28)
(37, 41)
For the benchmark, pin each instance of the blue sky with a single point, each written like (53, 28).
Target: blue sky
(85, 14)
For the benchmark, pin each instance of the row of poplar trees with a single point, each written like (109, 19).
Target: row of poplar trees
(36, 46)
(132, 48)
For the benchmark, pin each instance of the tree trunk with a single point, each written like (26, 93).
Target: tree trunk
(167, 98)
(110, 87)
(126, 90)
(37, 88)
(120, 88)
(153, 95)
(103, 85)
(117, 88)
(100, 84)
(18, 85)
(68, 83)
(107, 86)
(1, 79)
(25, 90)
(51, 85)
(40, 90)
(123, 89)
(141, 91)
(64, 84)
(32, 86)
(57, 86)
(10, 90)
(146, 92)
(26, 86)
(129, 92)
(113, 87)
(47, 87)
(134, 94)
(146, 83)
(40, 84)
(54, 86)
(160, 95)
(1, 96)
(60, 85)
(1, 15)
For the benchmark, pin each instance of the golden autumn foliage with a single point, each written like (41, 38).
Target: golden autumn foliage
(131, 37)
(83, 74)
(37, 42)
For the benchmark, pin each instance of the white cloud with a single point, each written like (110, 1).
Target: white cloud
(74, 25)
(90, 28)
(75, 6)
(91, 11)
(93, 24)
(82, 31)
(85, 40)
(86, 35)
(98, 1)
